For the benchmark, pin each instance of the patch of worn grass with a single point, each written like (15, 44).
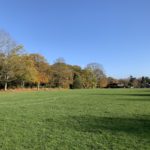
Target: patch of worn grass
(108, 119)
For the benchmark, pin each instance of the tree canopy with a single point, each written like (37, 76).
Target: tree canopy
(20, 69)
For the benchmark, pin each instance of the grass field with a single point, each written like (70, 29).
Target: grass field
(115, 119)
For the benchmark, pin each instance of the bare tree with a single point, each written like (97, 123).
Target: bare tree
(9, 52)
(97, 71)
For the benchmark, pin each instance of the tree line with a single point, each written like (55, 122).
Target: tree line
(19, 69)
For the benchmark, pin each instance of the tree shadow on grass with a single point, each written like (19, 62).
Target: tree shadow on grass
(127, 97)
(142, 95)
(138, 127)
(117, 94)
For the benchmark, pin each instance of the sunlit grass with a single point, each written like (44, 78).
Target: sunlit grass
(75, 119)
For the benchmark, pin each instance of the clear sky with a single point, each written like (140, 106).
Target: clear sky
(114, 33)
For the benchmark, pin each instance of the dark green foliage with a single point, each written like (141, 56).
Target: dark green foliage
(77, 82)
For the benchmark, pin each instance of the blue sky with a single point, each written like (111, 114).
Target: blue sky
(114, 33)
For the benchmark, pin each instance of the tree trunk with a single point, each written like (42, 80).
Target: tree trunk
(5, 88)
(38, 86)
(22, 84)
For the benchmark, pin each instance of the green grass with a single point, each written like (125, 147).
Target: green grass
(113, 119)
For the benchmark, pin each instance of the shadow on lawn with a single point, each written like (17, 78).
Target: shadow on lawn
(128, 96)
(120, 94)
(143, 95)
(138, 127)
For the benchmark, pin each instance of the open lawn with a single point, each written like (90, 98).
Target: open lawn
(107, 119)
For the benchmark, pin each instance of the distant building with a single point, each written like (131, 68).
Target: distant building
(116, 85)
